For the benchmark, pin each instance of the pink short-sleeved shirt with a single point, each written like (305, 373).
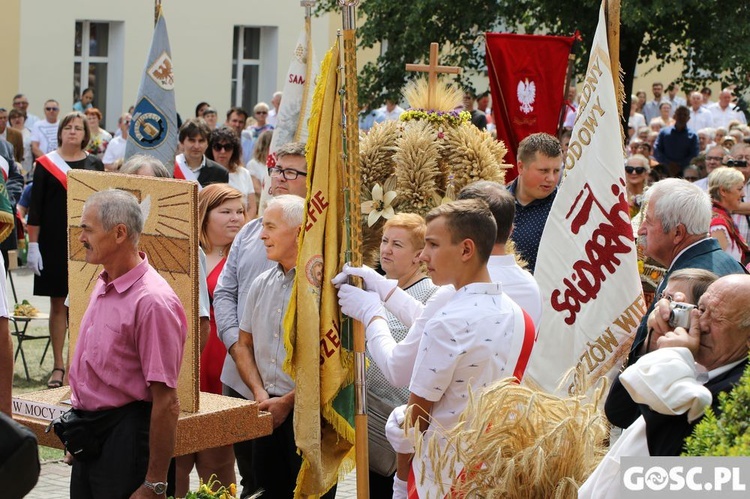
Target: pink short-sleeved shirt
(132, 334)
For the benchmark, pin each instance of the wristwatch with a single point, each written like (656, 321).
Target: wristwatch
(159, 488)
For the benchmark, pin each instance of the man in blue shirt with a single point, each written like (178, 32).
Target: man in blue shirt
(677, 145)
(539, 159)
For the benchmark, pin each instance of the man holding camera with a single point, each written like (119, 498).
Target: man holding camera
(674, 232)
(670, 388)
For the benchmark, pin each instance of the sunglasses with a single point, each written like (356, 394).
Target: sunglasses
(261, 112)
(635, 169)
(225, 147)
(51, 108)
(691, 179)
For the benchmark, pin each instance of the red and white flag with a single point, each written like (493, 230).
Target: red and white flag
(527, 82)
(586, 268)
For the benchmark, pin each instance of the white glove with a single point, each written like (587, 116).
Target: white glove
(399, 488)
(373, 281)
(34, 259)
(360, 304)
(401, 441)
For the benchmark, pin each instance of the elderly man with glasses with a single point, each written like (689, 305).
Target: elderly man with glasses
(714, 159)
(44, 132)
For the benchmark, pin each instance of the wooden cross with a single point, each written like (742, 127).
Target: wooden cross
(432, 69)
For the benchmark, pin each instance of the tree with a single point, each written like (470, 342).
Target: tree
(706, 36)
(728, 432)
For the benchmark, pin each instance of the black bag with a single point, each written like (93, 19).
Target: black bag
(83, 432)
(19, 458)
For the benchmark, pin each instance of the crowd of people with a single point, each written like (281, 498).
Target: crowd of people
(451, 302)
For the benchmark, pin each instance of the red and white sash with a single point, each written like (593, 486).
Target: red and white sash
(183, 172)
(53, 163)
(5, 167)
(522, 344)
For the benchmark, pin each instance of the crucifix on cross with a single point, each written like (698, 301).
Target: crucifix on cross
(433, 69)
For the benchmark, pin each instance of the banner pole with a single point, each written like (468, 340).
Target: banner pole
(354, 230)
(612, 15)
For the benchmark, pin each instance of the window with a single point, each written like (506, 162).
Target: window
(91, 62)
(245, 67)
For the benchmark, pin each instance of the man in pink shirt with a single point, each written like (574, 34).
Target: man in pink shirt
(127, 358)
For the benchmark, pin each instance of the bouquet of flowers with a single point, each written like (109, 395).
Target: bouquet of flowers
(206, 490)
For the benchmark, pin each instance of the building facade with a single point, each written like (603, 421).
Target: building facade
(224, 52)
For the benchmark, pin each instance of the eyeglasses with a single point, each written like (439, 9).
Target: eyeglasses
(288, 174)
(635, 169)
(691, 179)
(51, 108)
(261, 112)
(226, 147)
(21, 103)
(714, 158)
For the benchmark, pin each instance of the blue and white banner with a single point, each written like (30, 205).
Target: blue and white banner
(153, 130)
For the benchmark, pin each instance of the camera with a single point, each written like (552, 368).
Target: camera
(737, 163)
(679, 314)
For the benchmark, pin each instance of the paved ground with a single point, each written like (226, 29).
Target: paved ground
(54, 480)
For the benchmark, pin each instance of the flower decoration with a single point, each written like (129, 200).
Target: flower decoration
(206, 491)
(380, 202)
(450, 118)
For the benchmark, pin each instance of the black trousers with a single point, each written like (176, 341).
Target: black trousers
(277, 463)
(122, 465)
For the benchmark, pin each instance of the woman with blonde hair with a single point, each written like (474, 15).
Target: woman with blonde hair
(222, 215)
(257, 165)
(726, 188)
(400, 247)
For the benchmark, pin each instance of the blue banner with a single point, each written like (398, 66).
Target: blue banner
(153, 129)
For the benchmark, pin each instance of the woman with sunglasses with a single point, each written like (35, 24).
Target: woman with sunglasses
(636, 181)
(224, 148)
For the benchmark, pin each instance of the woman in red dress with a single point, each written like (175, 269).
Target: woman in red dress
(222, 214)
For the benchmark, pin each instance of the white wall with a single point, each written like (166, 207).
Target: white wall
(200, 35)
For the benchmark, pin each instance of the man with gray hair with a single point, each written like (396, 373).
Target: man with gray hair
(273, 113)
(123, 378)
(674, 232)
(260, 353)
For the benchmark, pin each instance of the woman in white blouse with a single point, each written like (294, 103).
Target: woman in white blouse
(224, 148)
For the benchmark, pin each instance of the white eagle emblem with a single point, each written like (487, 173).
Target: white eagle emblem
(526, 95)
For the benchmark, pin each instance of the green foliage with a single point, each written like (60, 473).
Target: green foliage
(706, 35)
(728, 433)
